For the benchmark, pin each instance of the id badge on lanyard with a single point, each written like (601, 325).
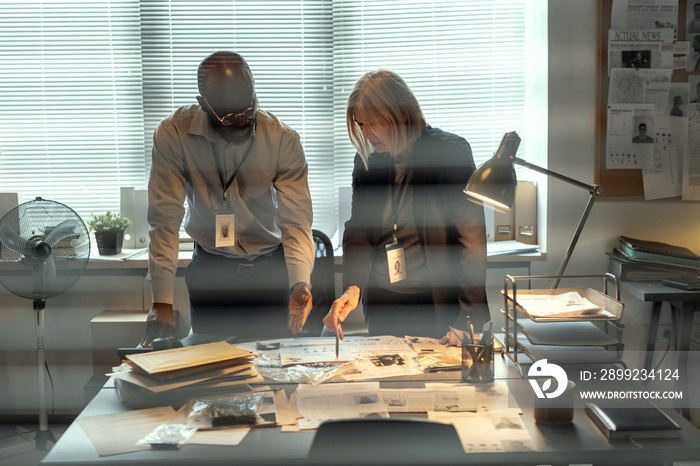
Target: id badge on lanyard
(396, 261)
(225, 229)
(224, 223)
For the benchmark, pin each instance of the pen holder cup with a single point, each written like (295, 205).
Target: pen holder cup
(477, 363)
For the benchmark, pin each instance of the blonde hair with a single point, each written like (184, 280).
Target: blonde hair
(390, 107)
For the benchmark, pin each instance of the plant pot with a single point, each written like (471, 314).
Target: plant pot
(109, 243)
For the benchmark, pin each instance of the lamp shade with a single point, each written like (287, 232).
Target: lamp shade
(494, 181)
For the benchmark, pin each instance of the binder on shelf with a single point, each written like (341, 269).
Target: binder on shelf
(525, 208)
(134, 206)
(664, 258)
(656, 247)
(631, 269)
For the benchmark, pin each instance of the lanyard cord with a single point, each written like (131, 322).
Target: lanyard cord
(395, 200)
(222, 173)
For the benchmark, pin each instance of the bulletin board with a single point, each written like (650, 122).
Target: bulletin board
(620, 184)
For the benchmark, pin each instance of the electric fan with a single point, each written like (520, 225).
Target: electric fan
(44, 249)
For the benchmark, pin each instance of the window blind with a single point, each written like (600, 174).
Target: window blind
(288, 46)
(464, 61)
(86, 83)
(71, 119)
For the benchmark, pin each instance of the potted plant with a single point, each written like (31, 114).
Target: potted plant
(109, 232)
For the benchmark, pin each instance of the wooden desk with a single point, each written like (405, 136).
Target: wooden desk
(580, 442)
(684, 304)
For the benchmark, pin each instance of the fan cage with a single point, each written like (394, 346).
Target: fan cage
(33, 221)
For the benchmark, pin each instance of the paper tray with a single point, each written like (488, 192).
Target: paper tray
(565, 334)
(612, 307)
(567, 354)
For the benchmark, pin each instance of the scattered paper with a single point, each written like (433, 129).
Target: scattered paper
(569, 304)
(113, 434)
(287, 413)
(490, 397)
(321, 350)
(379, 365)
(496, 431)
(318, 403)
(413, 400)
(224, 436)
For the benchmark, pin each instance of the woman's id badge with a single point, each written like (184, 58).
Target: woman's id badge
(396, 262)
(225, 231)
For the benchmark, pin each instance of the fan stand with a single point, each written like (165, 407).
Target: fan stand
(30, 231)
(44, 435)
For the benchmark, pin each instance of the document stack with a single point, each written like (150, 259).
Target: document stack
(171, 377)
(641, 260)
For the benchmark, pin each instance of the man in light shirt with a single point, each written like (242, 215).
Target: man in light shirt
(244, 176)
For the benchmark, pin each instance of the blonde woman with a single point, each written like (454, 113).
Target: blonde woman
(408, 207)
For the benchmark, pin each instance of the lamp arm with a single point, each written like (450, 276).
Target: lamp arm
(593, 190)
(574, 240)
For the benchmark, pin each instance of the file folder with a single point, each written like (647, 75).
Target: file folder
(134, 206)
(503, 224)
(525, 208)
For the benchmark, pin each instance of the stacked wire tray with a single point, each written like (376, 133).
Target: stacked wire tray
(565, 334)
(562, 323)
(559, 354)
(604, 307)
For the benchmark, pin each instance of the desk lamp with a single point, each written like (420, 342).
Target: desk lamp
(494, 182)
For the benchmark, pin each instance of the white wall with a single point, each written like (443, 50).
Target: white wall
(68, 338)
(572, 151)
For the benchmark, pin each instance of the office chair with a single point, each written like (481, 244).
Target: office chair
(374, 441)
(322, 284)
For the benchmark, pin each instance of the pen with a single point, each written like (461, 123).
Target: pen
(337, 343)
(487, 334)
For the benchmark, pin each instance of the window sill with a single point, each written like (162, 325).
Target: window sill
(135, 261)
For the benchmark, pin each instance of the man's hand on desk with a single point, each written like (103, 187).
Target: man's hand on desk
(340, 309)
(300, 303)
(160, 323)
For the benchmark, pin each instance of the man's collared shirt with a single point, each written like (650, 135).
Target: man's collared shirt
(269, 195)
